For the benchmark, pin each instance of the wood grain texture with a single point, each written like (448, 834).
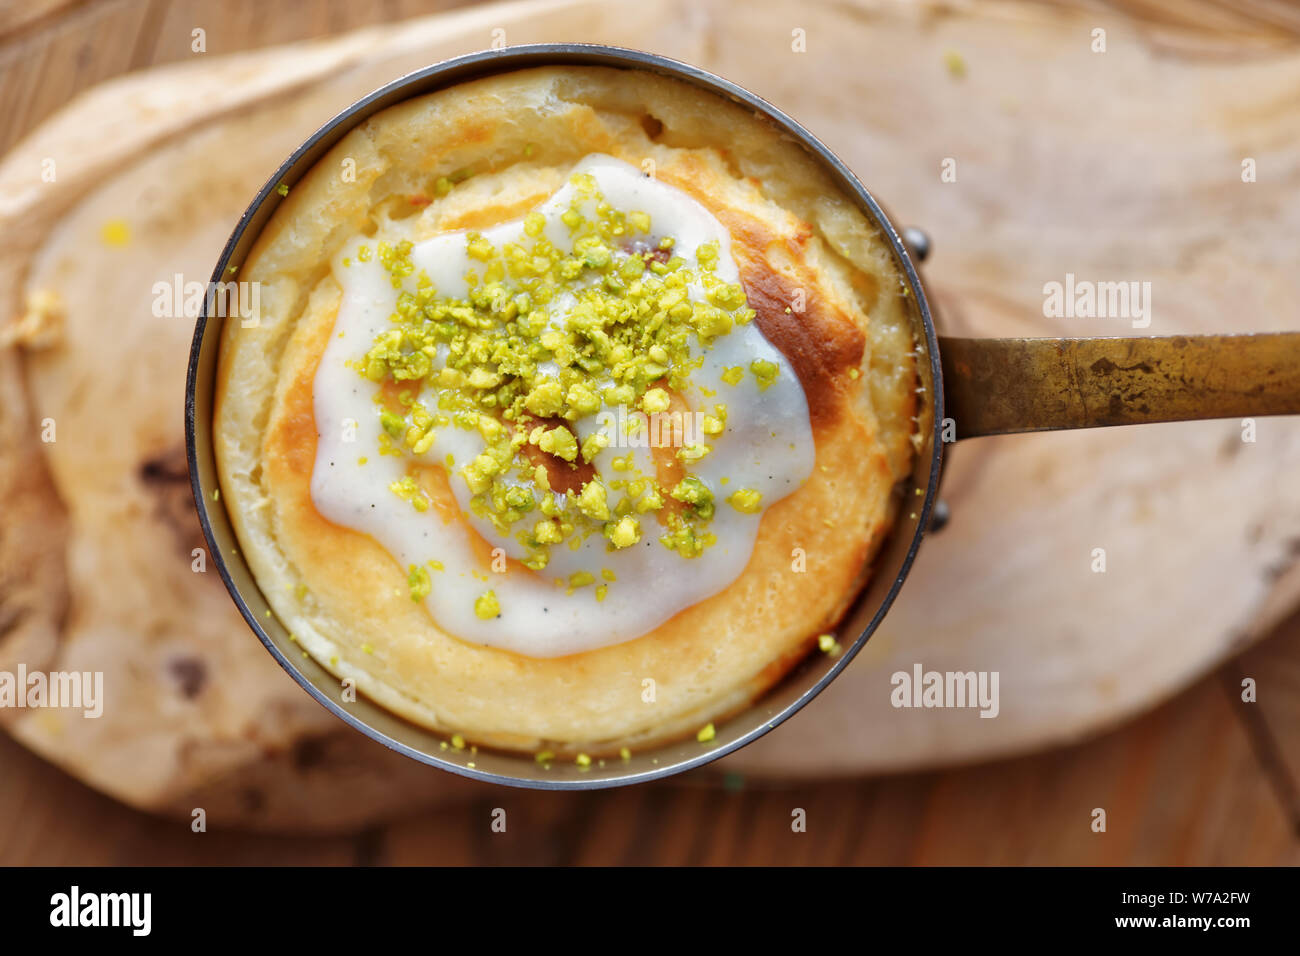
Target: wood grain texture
(52, 50)
(1167, 775)
(1181, 786)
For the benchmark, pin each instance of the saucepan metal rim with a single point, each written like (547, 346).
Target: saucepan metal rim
(472, 66)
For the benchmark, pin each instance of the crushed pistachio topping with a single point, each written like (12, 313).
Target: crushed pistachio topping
(419, 581)
(486, 605)
(551, 333)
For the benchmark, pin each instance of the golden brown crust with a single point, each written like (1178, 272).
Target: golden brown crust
(711, 659)
(819, 337)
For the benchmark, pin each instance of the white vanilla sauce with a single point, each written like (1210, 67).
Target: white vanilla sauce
(767, 446)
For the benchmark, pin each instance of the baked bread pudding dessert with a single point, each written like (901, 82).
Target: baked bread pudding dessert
(574, 412)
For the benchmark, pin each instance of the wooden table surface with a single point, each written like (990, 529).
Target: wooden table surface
(1204, 779)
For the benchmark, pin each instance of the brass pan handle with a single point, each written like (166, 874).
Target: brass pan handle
(1001, 386)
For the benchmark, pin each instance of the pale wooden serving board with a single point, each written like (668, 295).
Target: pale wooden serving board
(1122, 165)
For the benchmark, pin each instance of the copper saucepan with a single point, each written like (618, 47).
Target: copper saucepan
(970, 387)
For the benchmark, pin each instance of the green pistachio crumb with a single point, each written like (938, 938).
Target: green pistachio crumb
(486, 606)
(765, 372)
(593, 500)
(655, 400)
(625, 533)
(419, 582)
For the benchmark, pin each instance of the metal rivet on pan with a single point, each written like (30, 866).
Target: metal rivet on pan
(939, 516)
(918, 242)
